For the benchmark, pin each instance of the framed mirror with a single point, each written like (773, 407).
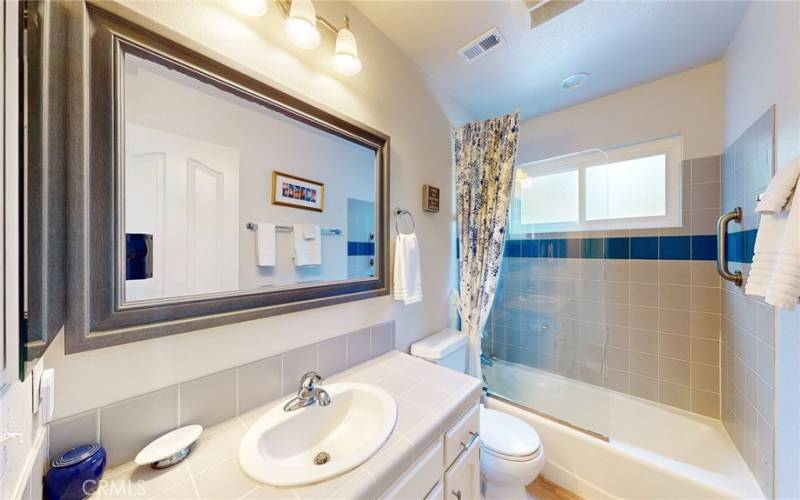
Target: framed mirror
(207, 197)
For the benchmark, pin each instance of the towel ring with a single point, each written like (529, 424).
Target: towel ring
(399, 212)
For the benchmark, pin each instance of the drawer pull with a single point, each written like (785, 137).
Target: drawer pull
(456, 493)
(472, 438)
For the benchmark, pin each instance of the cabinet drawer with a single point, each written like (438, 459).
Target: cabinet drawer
(420, 478)
(437, 493)
(461, 434)
(463, 480)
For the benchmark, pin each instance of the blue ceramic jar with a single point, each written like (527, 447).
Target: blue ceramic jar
(75, 474)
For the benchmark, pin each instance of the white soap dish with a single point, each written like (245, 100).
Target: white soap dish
(170, 448)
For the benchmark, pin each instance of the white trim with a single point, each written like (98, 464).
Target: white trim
(672, 147)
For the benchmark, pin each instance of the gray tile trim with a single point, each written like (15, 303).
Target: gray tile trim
(124, 427)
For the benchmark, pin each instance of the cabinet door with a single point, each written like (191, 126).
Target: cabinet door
(437, 493)
(462, 481)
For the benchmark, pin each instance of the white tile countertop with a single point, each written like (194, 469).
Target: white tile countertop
(429, 400)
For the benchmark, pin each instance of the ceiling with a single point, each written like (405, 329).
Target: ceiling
(620, 44)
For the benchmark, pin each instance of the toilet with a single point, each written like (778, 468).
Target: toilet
(512, 455)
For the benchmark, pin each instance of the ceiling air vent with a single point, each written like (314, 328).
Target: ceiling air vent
(482, 45)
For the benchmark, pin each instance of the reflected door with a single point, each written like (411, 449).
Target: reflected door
(185, 193)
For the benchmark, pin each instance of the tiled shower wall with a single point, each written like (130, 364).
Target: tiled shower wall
(125, 427)
(747, 322)
(633, 311)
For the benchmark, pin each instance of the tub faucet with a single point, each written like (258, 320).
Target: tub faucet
(308, 393)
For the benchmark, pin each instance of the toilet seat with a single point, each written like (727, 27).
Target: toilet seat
(507, 437)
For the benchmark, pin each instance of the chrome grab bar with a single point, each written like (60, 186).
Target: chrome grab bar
(722, 246)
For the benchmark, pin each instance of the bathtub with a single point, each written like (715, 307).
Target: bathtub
(612, 445)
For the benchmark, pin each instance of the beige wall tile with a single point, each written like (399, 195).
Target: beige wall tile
(674, 272)
(684, 230)
(705, 195)
(687, 197)
(675, 395)
(706, 403)
(704, 273)
(644, 318)
(674, 321)
(705, 377)
(686, 172)
(644, 294)
(617, 270)
(645, 365)
(618, 380)
(704, 221)
(705, 351)
(617, 314)
(644, 341)
(674, 370)
(617, 293)
(674, 297)
(706, 299)
(617, 359)
(644, 271)
(705, 325)
(706, 169)
(674, 346)
(618, 336)
(644, 387)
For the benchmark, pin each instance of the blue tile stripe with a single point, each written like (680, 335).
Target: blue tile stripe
(360, 248)
(700, 247)
(741, 246)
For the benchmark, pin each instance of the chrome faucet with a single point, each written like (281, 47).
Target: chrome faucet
(308, 393)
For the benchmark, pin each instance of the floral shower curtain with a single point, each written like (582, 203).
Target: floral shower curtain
(484, 154)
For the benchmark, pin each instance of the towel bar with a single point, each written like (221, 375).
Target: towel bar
(283, 227)
(399, 212)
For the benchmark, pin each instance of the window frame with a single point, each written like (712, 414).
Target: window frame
(671, 147)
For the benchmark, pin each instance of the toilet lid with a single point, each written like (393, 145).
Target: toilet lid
(507, 435)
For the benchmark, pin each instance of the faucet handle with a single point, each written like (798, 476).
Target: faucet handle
(309, 381)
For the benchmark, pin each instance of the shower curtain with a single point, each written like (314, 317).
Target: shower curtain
(484, 154)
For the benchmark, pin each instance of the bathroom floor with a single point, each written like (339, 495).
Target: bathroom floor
(542, 489)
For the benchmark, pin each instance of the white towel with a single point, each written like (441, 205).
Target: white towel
(780, 188)
(784, 285)
(265, 244)
(407, 271)
(307, 251)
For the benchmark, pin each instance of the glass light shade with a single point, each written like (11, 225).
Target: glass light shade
(345, 58)
(301, 26)
(252, 8)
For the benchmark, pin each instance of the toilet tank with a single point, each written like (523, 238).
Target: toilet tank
(447, 348)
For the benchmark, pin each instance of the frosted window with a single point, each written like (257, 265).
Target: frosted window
(627, 189)
(549, 199)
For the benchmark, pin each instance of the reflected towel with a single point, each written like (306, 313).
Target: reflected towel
(265, 244)
(307, 251)
(407, 271)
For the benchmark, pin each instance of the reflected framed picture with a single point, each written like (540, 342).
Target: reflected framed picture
(297, 192)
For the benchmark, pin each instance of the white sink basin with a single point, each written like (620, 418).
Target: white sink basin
(280, 448)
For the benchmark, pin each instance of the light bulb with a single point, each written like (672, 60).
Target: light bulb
(301, 25)
(345, 58)
(252, 8)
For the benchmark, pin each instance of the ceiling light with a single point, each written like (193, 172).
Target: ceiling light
(301, 25)
(572, 82)
(345, 58)
(252, 8)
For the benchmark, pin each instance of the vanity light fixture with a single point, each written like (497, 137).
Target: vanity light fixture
(301, 27)
(251, 8)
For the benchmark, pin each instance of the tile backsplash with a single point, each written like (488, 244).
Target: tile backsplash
(634, 311)
(748, 348)
(125, 427)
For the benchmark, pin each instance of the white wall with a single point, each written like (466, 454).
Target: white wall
(689, 103)
(389, 95)
(762, 68)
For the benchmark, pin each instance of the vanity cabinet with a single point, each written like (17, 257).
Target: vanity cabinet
(449, 470)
